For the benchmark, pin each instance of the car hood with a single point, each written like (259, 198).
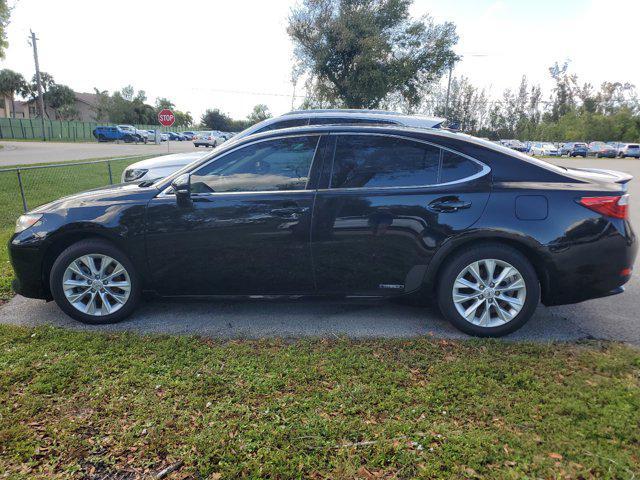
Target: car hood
(105, 196)
(172, 160)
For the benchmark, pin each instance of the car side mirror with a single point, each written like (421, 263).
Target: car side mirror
(182, 189)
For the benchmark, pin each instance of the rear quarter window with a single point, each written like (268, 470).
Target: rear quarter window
(456, 167)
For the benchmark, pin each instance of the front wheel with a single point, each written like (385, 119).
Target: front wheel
(489, 290)
(94, 282)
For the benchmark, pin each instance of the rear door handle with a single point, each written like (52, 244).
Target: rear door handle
(448, 205)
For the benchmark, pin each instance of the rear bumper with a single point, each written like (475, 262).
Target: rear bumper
(592, 269)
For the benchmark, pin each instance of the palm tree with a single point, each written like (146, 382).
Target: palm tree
(10, 83)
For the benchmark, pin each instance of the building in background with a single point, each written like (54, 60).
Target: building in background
(85, 106)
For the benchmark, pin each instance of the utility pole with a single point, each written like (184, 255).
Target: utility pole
(38, 82)
(446, 105)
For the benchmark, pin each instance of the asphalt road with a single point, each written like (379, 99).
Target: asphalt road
(24, 153)
(614, 318)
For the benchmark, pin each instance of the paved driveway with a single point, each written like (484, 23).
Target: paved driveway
(23, 153)
(614, 318)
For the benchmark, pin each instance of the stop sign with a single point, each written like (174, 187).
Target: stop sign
(166, 117)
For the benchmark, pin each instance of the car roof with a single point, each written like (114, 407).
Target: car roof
(342, 110)
(420, 121)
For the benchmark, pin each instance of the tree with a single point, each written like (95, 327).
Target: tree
(5, 13)
(183, 119)
(162, 103)
(30, 90)
(357, 53)
(62, 100)
(11, 83)
(214, 119)
(259, 113)
(563, 99)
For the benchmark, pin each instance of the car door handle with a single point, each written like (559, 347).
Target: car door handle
(448, 205)
(291, 212)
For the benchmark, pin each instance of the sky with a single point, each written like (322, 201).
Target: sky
(233, 54)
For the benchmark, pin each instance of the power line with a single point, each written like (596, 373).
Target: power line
(246, 92)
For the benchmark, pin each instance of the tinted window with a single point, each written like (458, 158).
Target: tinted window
(376, 161)
(281, 164)
(456, 167)
(347, 120)
(296, 122)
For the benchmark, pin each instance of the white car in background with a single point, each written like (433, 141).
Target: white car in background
(159, 167)
(544, 149)
(211, 138)
(162, 137)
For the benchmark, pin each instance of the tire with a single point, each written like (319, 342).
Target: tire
(503, 254)
(103, 249)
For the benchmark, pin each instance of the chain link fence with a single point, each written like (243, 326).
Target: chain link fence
(24, 188)
(32, 129)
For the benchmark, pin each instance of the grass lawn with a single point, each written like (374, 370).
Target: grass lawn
(85, 404)
(42, 186)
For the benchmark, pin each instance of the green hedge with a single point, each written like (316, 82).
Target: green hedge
(31, 128)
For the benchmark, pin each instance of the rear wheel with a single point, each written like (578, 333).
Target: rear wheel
(489, 290)
(94, 282)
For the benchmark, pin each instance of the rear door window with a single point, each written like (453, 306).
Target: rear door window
(381, 161)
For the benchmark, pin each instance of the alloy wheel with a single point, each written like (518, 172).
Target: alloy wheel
(489, 293)
(96, 284)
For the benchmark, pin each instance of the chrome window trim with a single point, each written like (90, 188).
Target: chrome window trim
(164, 193)
(484, 169)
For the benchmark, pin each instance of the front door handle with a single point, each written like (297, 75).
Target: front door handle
(289, 211)
(448, 205)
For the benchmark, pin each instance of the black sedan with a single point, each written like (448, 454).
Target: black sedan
(340, 211)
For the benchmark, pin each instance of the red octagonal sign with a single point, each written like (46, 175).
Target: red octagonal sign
(166, 117)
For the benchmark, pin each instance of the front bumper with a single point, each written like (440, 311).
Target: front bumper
(27, 265)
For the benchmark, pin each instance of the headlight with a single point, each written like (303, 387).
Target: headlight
(134, 174)
(26, 221)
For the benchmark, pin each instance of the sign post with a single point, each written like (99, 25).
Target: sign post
(166, 119)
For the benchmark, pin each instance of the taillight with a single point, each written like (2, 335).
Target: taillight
(616, 207)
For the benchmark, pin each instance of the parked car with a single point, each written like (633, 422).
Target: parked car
(157, 136)
(189, 135)
(209, 138)
(601, 149)
(617, 145)
(574, 149)
(544, 149)
(158, 167)
(516, 145)
(176, 136)
(110, 134)
(365, 211)
(629, 150)
(141, 135)
(299, 118)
